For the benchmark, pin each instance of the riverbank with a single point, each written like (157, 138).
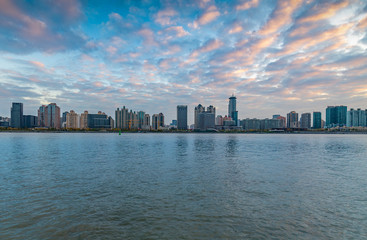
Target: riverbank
(343, 131)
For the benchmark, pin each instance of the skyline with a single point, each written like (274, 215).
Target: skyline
(274, 56)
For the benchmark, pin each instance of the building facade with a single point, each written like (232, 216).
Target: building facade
(357, 118)
(292, 120)
(316, 120)
(30, 121)
(41, 116)
(182, 117)
(305, 120)
(206, 120)
(72, 120)
(16, 118)
(336, 116)
(146, 123)
(232, 109)
(198, 109)
(121, 118)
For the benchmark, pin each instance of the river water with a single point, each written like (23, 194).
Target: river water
(182, 186)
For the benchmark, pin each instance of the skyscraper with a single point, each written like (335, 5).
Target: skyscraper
(182, 117)
(121, 116)
(357, 118)
(232, 112)
(292, 120)
(72, 120)
(161, 120)
(146, 123)
(206, 120)
(316, 120)
(52, 116)
(141, 119)
(16, 112)
(84, 120)
(30, 121)
(41, 116)
(198, 109)
(306, 120)
(336, 116)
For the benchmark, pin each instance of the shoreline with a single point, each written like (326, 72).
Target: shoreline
(189, 132)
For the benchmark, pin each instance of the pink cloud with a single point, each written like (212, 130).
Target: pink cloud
(326, 11)
(236, 28)
(210, 15)
(207, 47)
(178, 30)
(148, 36)
(164, 17)
(247, 5)
(281, 17)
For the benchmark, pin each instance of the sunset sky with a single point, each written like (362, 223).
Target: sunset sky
(153, 55)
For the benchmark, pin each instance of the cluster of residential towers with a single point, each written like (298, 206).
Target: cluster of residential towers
(205, 119)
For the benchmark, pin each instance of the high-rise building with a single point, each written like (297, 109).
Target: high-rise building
(161, 120)
(336, 116)
(141, 119)
(276, 116)
(232, 112)
(282, 121)
(198, 109)
(16, 112)
(182, 117)
(155, 122)
(292, 120)
(52, 116)
(132, 118)
(305, 120)
(219, 120)
(84, 120)
(30, 121)
(41, 116)
(356, 118)
(316, 120)
(72, 120)
(121, 118)
(206, 120)
(146, 123)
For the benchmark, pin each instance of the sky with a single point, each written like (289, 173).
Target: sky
(274, 56)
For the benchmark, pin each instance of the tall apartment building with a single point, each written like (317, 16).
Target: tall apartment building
(316, 120)
(121, 118)
(146, 123)
(198, 109)
(336, 116)
(305, 120)
(72, 120)
(52, 116)
(292, 120)
(182, 117)
(357, 118)
(232, 109)
(16, 112)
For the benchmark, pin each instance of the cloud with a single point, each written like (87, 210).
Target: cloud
(323, 12)
(178, 30)
(281, 17)
(164, 17)
(149, 37)
(209, 15)
(24, 27)
(247, 5)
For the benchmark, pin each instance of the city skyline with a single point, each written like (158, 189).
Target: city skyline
(275, 57)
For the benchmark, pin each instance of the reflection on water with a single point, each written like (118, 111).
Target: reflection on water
(182, 186)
